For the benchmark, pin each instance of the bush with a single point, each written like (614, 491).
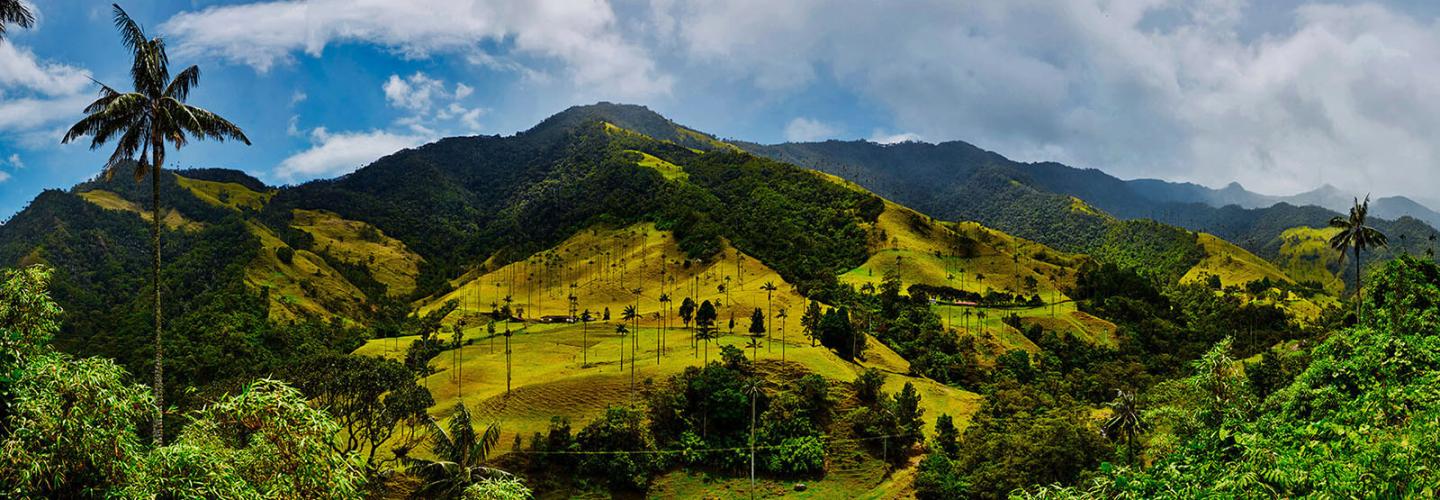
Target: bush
(801, 455)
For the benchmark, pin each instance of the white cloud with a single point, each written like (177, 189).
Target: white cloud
(583, 36)
(332, 154)
(20, 69)
(803, 129)
(1183, 89)
(430, 105)
(883, 137)
(28, 114)
(15, 161)
(298, 97)
(4, 176)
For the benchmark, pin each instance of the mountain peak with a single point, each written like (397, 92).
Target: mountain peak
(632, 117)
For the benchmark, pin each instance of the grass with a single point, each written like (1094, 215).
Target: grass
(389, 261)
(1305, 254)
(1232, 264)
(606, 265)
(549, 379)
(671, 171)
(111, 201)
(307, 285)
(225, 194)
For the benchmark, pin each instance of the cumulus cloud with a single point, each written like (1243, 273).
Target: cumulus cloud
(582, 36)
(36, 96)
(20, 69)
(803, 129)
(431, 105)
(332, 154)
(884, 137)
(15, 161)
(1181, 89)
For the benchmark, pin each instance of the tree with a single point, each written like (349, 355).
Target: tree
(947, 437)
(664, 323)
(757, 328)
(585, 319)
(621, 330)
(633, 315)
(769, 289)
(810, 322)
(14, 12)
(142, 122)
(1125, 421)
(1358, 237)
(705, 318)
(369, 398)
(782, 315)
(460, 454)
(687, 311)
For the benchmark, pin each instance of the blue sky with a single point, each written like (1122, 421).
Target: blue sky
(1281, 96)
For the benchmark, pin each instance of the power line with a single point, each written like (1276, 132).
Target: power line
(703, 450)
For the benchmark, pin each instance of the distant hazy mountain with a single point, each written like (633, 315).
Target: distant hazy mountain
(958, 180)
(1327, 196)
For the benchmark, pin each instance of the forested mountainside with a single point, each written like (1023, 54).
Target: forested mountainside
(401, 278)
(956, 180)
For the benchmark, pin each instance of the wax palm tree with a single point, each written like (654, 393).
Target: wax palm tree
(769, 288)
(664, 321)
(687, 311)
(621, 331)
(1356, 236)
(632, 315)
(14, 12)
(705, 318)
(142, 122)
(585, 319)
(460, 454)
(1126, 421)
(782, 315)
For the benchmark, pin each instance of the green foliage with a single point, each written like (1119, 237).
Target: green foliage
(620, 429)
(71, 427)
(505, 488)
(370, 398)
(1359, 421)
(460, 454)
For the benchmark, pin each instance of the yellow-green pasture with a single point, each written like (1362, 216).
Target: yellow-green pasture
(607, 266)
(548, 377)
(225, 194)
(389, 260)
(109, 200)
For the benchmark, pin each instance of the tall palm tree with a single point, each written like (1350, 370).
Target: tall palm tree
(769, 288)
(621, 331)
(143, 121)
(782, 315)
(1356, 236)
(585, 319)
(664, 321)
(1126, 420)
(460, 454)
(14, 12)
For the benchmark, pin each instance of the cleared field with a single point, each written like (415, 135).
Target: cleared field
(963, 255)
(355, 242)
(225, 194)
(1306, 255)
(109, 200)
(607, 266)
(671, 171)
(1232, 264)
(306, 284)
(548, 378)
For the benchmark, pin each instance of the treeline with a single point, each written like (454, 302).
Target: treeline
(718, 418)
(1355, 415)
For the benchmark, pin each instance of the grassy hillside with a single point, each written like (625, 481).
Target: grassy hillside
(608, 265)
(305, 285)
(1305, 254)
(110, 201)
(1232, 264)
(226, 194)
(389, 261)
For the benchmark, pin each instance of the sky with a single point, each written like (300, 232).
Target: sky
(1281, 95)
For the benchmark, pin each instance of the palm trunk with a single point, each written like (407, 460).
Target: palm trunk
(158, 426)
(1359, 297)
